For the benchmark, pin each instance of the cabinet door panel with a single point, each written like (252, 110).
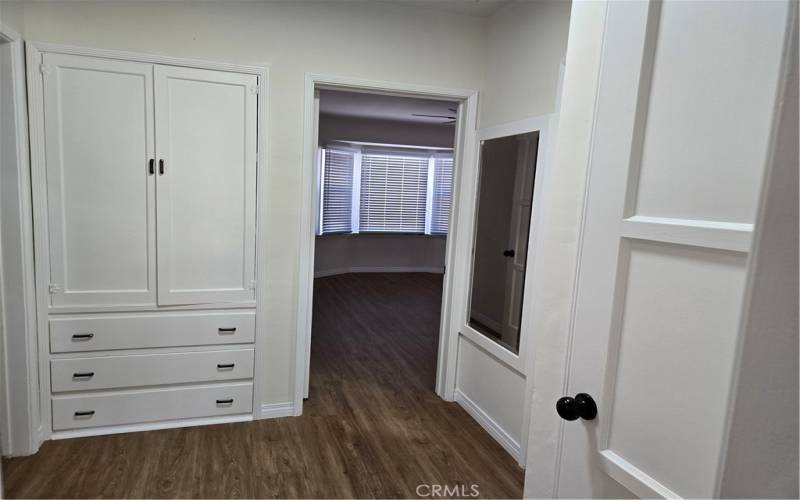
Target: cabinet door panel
(99, 137)
(206, 137)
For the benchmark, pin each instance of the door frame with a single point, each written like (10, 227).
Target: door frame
(34, 51)
(21, 424)
(465, 149)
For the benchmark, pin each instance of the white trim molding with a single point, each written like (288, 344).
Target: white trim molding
(489, 425)
(19, 402)
(465, 148)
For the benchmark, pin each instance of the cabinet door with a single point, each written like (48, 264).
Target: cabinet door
(100, 195)
(206, 145)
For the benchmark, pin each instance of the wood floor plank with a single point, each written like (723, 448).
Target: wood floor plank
(372, 428)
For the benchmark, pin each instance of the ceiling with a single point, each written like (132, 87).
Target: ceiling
(384, 107)
(478, 8)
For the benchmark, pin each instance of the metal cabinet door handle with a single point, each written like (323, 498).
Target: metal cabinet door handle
(84, 414)
(224, 402)
(161, 167)
(82, 336)
(226, 366)
(83, 375)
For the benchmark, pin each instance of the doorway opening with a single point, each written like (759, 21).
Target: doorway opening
(383, 184)
(453, 117)
(380, 363)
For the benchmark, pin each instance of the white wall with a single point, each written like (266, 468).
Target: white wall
(12, 14)
(341, 253)
(332, 128)
(526, 45)
(762, 460)
(353, 39)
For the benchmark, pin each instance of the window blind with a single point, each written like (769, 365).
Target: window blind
(442, 188)
(337, 190)
(393, 191)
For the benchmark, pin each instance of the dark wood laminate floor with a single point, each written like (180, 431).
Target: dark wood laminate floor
(373, 426)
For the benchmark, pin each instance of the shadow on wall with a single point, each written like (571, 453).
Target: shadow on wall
(342, 253)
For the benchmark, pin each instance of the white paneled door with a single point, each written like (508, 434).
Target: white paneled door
(206, 151)
(101, 205)
(681, 137)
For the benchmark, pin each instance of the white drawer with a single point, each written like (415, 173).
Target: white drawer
(132, 407)
(132, 331)
(112, 372)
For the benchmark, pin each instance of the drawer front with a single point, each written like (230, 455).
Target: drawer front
(77, 412)
(112, 372)
(107, 332)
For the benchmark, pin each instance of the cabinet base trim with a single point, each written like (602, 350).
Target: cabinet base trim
(150, 426)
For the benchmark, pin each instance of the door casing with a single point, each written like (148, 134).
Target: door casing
(465, 148)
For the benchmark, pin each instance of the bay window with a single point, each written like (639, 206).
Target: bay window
(384, 189)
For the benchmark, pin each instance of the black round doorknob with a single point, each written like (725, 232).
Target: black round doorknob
(581, 406)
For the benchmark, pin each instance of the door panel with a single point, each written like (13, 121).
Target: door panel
(673, 345)
(697, 91)
(675, 170)
(101, 219)
(206, 137)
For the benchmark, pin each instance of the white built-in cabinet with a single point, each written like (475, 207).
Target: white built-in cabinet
(145, 193)
(150, 182)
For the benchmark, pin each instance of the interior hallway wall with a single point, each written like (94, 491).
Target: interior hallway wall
(526, 45)
(426, 47)
(525, 48)
(342, 253)
(12, 14)
(332, 128)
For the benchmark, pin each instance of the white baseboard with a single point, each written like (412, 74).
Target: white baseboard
(151, 426)
(378, 269)
(492, 427)
(277, 410)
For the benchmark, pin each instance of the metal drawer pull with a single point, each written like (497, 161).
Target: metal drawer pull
(83, 375)
(224, 402)
(227, 330)
(82, 336)
(84, 414)
(228, 366)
